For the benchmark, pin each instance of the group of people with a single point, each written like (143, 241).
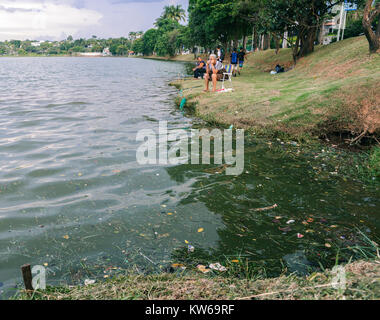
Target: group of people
(214, 69)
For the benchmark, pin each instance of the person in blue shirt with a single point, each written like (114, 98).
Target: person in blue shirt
(200, 69)
(241, 57)
(234, 61)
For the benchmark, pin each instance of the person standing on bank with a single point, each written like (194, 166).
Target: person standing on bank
(241, 57)
(220, 54)
(234, 61)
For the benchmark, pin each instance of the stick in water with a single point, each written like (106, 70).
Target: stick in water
(266, 208)
(27, 276)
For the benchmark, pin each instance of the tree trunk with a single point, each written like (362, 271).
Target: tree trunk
(278, 42)
(321, 33)
(295, 48)
(307, 41)
(369, 17)
(245, 38)
(285, 40)
(255, 40)
(266, 41)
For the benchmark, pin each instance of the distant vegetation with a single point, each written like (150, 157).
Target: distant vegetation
(254, 24)
(119, 46)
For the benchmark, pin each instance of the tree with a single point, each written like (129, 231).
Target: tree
(175, 13)
(301, 18)
(138, 45)
(149, 41)
(370, 14)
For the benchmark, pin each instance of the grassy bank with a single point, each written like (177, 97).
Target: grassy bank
(183, 57)
(362, 282)
(190, 278)
(333, 91)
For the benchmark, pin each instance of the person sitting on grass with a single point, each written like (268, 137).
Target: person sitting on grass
(214, 72)
(200, 69)
(234, 61)
(241, 57)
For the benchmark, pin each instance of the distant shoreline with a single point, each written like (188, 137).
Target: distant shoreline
(183, 58)
(58, 56)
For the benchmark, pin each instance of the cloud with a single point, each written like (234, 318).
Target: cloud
(56, 19)
(49, 19)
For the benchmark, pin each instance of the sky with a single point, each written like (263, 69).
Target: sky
(57, 19)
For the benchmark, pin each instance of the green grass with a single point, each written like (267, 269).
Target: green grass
(362, 283)
(333, 90)
(241, 280)
(374, 162)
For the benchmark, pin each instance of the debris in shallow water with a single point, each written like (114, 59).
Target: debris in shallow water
(200, 230)
(217, 267)
(266, 208)
(286, 229)
(203, 268)
(88, 282)
(190, 248)
(66, 237)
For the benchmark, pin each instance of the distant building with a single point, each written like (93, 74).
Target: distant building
(90, 54)
(36, 43)
(106, 52)
(330, 27)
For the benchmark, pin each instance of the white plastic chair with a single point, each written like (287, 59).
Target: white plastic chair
(230, 70)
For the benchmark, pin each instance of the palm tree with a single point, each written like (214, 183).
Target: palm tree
(176, 13)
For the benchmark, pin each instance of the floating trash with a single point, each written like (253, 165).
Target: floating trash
(286, 229)
(203, 268)
(182, 105)
(266, 208)
(88, 282)
(217, 267)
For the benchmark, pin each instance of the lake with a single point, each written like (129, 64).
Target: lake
(74, 198)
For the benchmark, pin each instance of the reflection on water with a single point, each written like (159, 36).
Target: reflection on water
(73, 197)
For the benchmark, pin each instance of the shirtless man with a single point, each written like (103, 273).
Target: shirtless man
(214, 72)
